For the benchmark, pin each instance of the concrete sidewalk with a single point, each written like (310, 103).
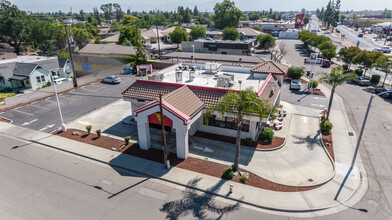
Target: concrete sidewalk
(324, 200)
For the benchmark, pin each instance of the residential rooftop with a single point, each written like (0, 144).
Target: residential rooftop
(27, 59)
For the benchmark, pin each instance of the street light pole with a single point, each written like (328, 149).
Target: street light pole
(193, 52)
(63, 126)
(363, 128)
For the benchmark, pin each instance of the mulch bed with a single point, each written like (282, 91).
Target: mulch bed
(317, 92)
(5, 120)
(276, 142)
(193, 164)
(327, 140)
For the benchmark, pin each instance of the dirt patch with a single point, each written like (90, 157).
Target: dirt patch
(193, 164)
(327, 140)
(5, 120)
(276, 142)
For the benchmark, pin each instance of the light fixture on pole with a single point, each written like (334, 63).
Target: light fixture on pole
(63, 126)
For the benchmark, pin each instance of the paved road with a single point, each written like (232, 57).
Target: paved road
(376, 147)
(302, 97)
(44, 115)
(38, 183)
(365, 44)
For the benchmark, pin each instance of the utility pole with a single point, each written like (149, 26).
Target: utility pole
(75, 82)
(159, 46)
(389, 32)
(163, 132)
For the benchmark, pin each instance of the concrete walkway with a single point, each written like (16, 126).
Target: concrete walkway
(324, 200)
(301, 162)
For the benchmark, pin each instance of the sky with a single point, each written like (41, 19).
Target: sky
(203, 5)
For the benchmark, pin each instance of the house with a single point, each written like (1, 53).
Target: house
(107, 50)
(214, 33)
(248, 33)
(219, 46)
(32, 73)
(268, 26)
(112, 38)
(188, 89)
(150, 36)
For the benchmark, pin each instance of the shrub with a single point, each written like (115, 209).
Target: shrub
(248, 141)
(126, 139)
(5, 90)
(326, 126)
(345, 66)
(314, 84)
(295, 72)
(179, 49)
(88, 128)
(47, 84)
(98, 132)
(228, 173)
(244, 178)
(267, 134)
(375, 79)
(359, 72)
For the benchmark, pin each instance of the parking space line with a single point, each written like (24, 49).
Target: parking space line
(47, 99)
(89, 90)
(40, 107)
(22, 112)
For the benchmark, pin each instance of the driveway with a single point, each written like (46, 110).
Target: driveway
(301, 162)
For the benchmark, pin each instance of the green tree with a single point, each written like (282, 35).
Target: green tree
(40, 34)
(328, 50)
(178, 35)
(366, 59)
(119, 12)
(254, 16)
(306, 19)
(187, 16)
(226, 14)
(296, 72)
(241, 104)
(59, 37)
(107, 11)
(230, 33)
(128, 36)
(160, 19)
(14, 25)
(63, 54)
(334, 79)
(266, 42)
(316, 40)
(140, 56)
(384, 64)
(347, 54)
(128, 19)
(80, 36)
(198, 31)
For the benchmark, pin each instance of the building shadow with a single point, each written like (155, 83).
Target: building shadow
(198, 204)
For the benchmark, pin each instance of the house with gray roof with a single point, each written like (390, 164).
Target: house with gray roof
(33, 74)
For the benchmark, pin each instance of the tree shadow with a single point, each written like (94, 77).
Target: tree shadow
(198, 204)
(311, 141)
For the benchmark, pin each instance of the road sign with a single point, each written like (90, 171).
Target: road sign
(358, 43)
(310, 61)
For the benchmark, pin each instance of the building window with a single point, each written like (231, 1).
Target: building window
(2, 80)
(226, 122)
(38, 79)
(41, 79)
(27, 82)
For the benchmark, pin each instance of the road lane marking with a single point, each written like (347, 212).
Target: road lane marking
(27, 123)
(23, 112)
(47, 99)
(40, 107)
(46, 127)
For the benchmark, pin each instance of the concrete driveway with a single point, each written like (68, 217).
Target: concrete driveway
(301, 162)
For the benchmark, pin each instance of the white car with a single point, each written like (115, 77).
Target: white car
(112, 79)
(295, 84)
(60, 80)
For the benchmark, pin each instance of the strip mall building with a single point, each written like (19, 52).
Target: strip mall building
(189, 88)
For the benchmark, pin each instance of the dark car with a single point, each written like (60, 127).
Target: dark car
(326, 63)
(382, 89)
(360, 35)
(167, 42)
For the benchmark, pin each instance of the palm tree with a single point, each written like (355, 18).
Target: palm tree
(245, 102)
(334, 79)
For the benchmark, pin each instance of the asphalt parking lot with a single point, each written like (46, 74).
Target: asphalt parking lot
(44, 115)
(302, 97)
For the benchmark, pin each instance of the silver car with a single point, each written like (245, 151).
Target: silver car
(362, 81)
(295, 84)
(112, 79)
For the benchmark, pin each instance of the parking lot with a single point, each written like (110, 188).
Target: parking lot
(44, 115)
(302, 97)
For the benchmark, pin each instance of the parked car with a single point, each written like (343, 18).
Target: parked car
(112, 79)
(382, 89)
(295, 84)
(326, 63)
(167, 42)
(386, 49)
(362, 81)
(377, 50)
(60, 80)
(275, 33)
(360, 35)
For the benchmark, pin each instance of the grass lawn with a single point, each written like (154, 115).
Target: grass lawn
(4, 96)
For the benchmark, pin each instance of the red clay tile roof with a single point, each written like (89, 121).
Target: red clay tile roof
(267, 94)
(184, 100)
(149, 89)
(270, 67)
(208, 96)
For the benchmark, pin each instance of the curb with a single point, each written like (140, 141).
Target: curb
(48, 96)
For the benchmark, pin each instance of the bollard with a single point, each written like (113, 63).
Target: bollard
(168, 164)
(231, 188)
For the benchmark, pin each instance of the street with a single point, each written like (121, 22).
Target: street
(376, 144)
(44, 115)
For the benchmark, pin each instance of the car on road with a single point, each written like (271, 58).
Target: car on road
(167, 42)
(275, 33)
(60, 80)
(360, 35)
(112, 79)
(327, 32)
(326, 63)
(295, 84)
(383, 89)
(382, 49)
(362, 81)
